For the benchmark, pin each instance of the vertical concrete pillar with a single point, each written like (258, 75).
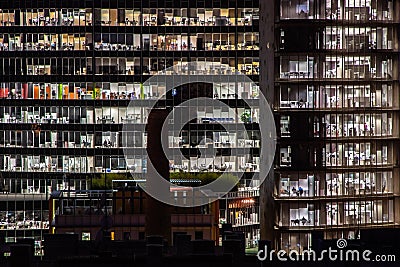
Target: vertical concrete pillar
(268, 9)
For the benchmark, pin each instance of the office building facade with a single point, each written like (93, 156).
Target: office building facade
(68, 71)
(334, 85)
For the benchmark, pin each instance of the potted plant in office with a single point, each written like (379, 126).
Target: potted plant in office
(246, 117)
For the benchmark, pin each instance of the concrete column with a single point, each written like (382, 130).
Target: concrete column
(267, 64)
(311, 186)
